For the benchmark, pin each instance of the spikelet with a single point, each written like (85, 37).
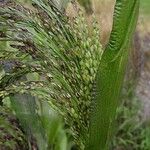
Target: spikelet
(68, 55)
(88, 53)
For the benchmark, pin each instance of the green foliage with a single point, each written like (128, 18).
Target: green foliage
(131, 133)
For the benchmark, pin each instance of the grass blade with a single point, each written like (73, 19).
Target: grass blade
(111, 73)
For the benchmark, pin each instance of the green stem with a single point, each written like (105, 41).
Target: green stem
(111, 73)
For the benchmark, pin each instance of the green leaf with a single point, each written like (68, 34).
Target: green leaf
(24, 106)
(111, 73)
